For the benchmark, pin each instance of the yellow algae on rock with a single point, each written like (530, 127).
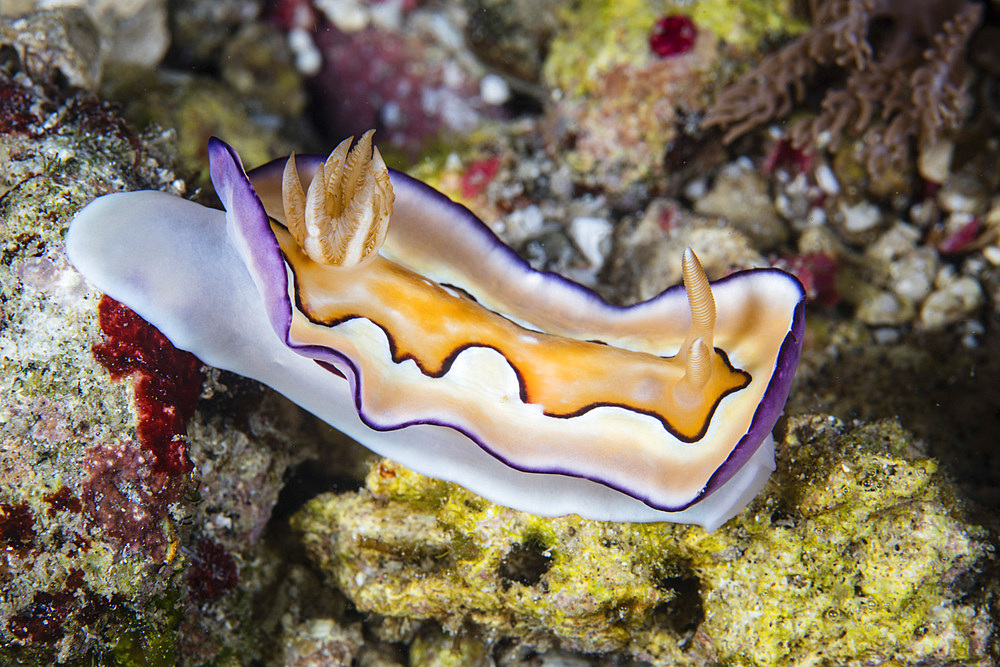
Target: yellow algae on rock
(855, 551)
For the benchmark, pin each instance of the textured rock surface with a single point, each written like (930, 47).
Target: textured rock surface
(121, 528)
(65, 40)
(64, 419)
(133, 32)
(857, 549)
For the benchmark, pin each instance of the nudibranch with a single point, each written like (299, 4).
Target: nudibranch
(397, 316)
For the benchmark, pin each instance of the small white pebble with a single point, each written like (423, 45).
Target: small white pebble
(884, 309)
(387, 15)
(973, 330)
(452, 74)
(861, 217)
(696, 189)
(952, 303)
(826, 180)
(589, 234)
(956, 201)
(934, 161)
(886, 335)
(783, 205)
(973, 266)
(945, 276)
(524, 223)
(913, 286)
(992, 255)
(924, 213)
(391, 114)
(348, 15)
(816, 216)
(975, 327)
(494, 89)
(958, 219)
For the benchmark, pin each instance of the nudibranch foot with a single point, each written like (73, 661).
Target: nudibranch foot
(446, 352)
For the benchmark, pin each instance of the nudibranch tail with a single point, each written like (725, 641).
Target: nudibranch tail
(342, 218)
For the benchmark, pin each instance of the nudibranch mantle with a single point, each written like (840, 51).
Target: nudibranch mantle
(446, 352)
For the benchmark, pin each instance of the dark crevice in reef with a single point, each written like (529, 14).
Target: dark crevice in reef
(949, 401)
(303, 483)
(526, 562)
(684, 611)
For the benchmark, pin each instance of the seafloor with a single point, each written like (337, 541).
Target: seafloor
(155, 511)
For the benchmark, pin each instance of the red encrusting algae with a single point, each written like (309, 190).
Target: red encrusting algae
(62, 500)
(43, 620)
(478, 176)
(129, 488)
(16, 109)
(960, 240)
(818, 274)
(784, 155)
(127, 499)
(213, 571)
(167, 384)
(17, 528)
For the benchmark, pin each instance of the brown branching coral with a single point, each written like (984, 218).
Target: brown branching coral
(901, 67)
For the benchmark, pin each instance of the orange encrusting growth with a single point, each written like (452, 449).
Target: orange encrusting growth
(431, 325)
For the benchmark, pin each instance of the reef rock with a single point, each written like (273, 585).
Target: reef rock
(855, 552)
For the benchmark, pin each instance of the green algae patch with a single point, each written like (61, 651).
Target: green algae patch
(434, 647)
(746, 23)
(148, 644)
(597, 37)
(862, 560)
(856, 551)
(470, 560)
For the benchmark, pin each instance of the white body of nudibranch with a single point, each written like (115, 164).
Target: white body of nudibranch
(395, 315)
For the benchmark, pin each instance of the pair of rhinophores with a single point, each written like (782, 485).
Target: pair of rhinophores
(397, 316)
